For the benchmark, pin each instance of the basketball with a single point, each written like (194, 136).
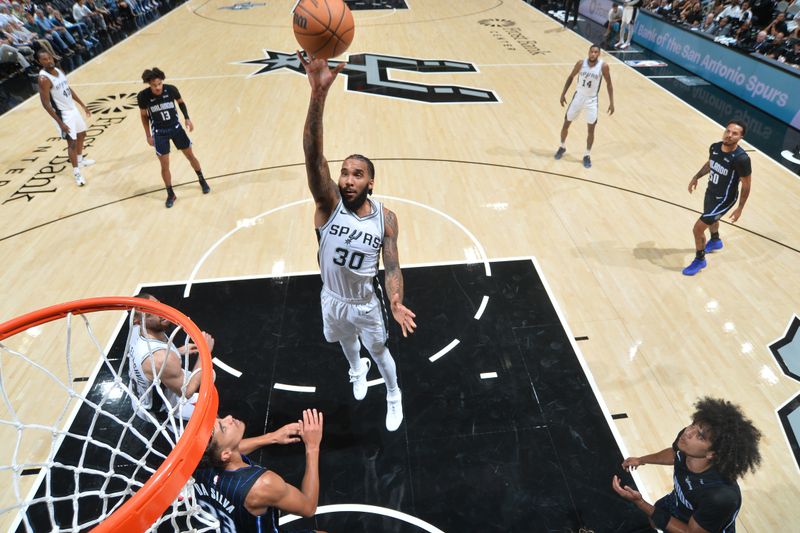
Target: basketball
(323, 28)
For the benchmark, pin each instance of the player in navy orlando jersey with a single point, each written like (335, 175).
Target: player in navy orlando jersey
(708, 456)
(161, 125)
(728, 165)
(246, 497)
(353, 230)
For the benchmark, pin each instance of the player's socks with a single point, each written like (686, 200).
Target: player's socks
(79, 180)
(394, 408)
(170, 197)
(715, 235)
(202, 181)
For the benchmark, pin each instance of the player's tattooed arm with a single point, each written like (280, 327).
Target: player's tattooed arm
(322, 187)
(394, 276)
(702, 172)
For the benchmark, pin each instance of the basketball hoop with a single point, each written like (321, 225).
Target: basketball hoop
(120, 504)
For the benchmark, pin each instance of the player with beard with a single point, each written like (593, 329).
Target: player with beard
(352, 229)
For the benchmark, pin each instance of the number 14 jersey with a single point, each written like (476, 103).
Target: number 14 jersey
(349, 248)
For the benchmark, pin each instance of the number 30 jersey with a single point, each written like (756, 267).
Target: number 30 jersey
(348, 252)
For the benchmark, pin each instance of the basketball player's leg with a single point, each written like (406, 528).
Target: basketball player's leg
(337, 327)
(374, 335)
(706, 220)
(72, 148)
(183, 143)
(82, 161)
(714, 243)
(573, 110)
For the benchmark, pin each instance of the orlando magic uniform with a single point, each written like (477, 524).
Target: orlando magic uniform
(223, 493)
(725, 169)
(140, 352)
(164, 123)
(64, 105)
(709, 498)
(349, 248)
(585, 97)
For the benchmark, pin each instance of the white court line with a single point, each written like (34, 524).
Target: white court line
(482, 308)
(294, 388)
(370, 509)
(443, 351)
(373, 382)
(488, 375)
(226, 367)
(589, 376)
(253, 221)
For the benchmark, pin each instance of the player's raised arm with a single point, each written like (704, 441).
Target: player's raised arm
(394, 276)
(322, 187)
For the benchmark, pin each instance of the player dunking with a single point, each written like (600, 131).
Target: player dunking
(727, 165)
(352, 229)
(589, 72)
(58, 99)
(161, 124)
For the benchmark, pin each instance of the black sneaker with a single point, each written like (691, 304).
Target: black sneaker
(560, 152)
(587, 162)
(171, 200)
(205, 187)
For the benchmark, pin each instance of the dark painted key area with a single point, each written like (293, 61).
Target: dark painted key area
(527, 451)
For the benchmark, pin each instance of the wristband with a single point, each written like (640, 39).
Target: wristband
(660, 518)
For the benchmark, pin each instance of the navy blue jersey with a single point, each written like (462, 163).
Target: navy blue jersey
(725, 170)
(709, 498)
(223, 493)
(162, 109)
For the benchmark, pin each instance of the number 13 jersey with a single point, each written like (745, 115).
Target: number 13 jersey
(349, 248)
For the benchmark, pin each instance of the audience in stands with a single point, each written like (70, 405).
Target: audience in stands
(764, 27)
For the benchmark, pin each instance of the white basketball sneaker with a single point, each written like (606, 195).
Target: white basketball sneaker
(86, 162)
(359, 379)
(79, 179)
(394, 410)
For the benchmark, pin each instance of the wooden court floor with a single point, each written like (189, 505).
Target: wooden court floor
(467, 180)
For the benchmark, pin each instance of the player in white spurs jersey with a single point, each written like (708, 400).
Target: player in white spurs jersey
(352, 230)
(59, 102)
(153, 358)
(590, 71)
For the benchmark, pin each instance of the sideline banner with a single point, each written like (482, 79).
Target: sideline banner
(756, 82)
(597, 10)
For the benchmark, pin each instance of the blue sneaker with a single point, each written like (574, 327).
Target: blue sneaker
(587, 163)
(560, 152)
(696, 266)
(713, 244)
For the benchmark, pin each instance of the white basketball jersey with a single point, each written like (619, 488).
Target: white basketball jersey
(348, 252)
(60, 95)
(140, 352)
(589, 78)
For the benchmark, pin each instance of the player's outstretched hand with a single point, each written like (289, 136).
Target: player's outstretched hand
(736, 214)
(209, 340)
(405, 317)
(692, 185)
(311, 429)
(320, 76)
(631, 463)
(626, 492)
(287, 434)
(189, 125)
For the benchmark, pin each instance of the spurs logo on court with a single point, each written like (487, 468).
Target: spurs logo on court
(786, 352)
(369, 73)
(240, 6)
(496, 23)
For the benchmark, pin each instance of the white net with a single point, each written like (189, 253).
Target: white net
(74, 448)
